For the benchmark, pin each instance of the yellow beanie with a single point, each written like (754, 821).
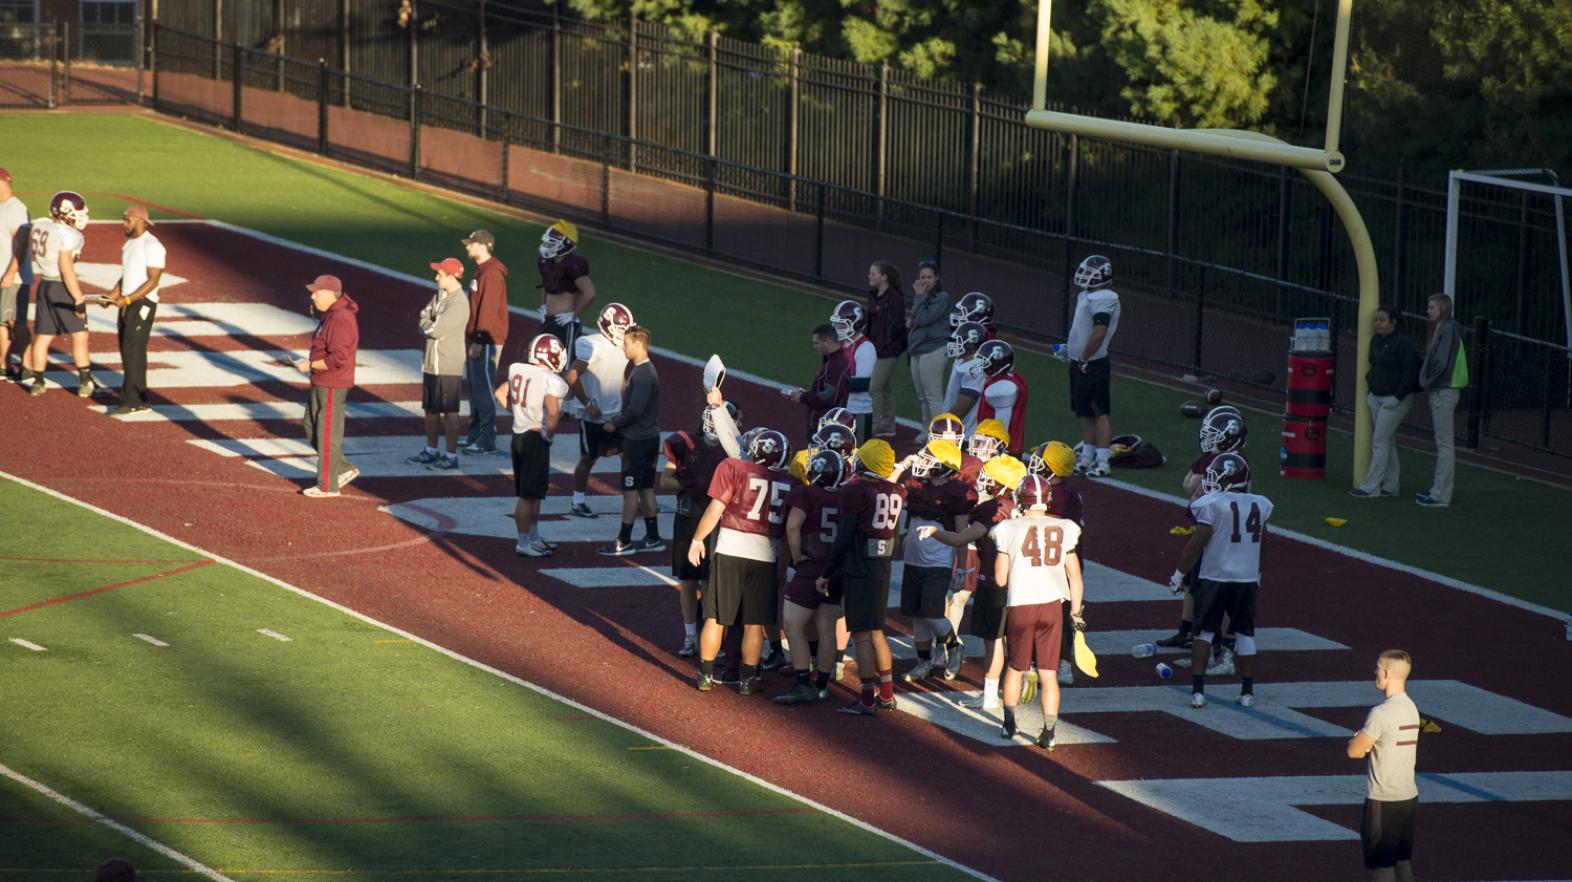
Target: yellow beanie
(568, 231)
(948, 453)
(1005, 470)
(1059, 458)
(877, 457)
(799, 466)
(993, 429)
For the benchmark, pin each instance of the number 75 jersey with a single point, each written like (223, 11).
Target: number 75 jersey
(1238, 522)
(755, 515)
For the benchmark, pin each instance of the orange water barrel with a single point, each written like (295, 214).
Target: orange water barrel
(1304, 448)
(1310, 385)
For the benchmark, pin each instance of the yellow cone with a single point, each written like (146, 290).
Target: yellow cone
(1337, 522)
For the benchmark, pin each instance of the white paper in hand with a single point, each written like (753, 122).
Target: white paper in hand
(714, 373)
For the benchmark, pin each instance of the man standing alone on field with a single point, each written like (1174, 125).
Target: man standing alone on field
(331, 366)
(486, 332)
(142, 260)
(1390, 738)
(1091, 333)
(15, 274)
(442, 323)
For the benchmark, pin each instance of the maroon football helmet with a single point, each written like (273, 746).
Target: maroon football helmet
(974, 307)
(827, 469)
(1033, 491)
(546, 351)
(995, 358)
(769, 448)
(848, 319)
(614, 321)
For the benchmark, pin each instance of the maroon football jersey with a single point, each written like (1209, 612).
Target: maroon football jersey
(755, 497)
(942, 503)
(560, 276)
(821, 509)
(971, 467)
(876, 503)
(994, 511)
(694, 463)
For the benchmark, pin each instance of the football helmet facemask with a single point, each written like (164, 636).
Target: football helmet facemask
(614, 321)
(988, 440)
(848, 319)
(69, 208)
(995, 358)
(707, 422)
(546, 351)
(1226, 473)
(948, 427)
(965, 339)
(1222, 431)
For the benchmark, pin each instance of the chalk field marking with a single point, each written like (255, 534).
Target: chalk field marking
(98, 817)
(265, 632)
(149, 638)
(28, 644)
(480, 666)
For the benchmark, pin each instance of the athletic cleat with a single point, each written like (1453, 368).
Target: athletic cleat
(649, 544)
(919, 671)
(443, 464)
(1222, 665)
(582, 510)
(954, 657)
(888, 704)
(1046, 739)
(316, 492)
(1181, 662)
(1197, 699)
(128, 409)
(424, 457)
(615, 548)
(690, 648)
(530, 549)
(1246, 700)
(772, 660)
(706, 682)
(981, 702)
(344, 479)
(1099, 470)
(858, 709)
(1180, 640)
(750, 686)
(729, 678)
(477, 450)
(85, 390)
(1029, 686)
(1066, 673)
(38, 388)
(1007, 729)
(802, 693)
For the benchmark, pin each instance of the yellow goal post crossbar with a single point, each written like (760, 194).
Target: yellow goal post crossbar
(1317, 165)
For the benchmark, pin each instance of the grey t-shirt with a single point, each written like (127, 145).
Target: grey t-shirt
(1394, 727)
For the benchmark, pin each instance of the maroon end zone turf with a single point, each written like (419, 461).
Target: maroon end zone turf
(1015, 812)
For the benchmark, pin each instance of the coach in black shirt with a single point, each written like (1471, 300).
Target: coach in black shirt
(639, 426)
(1391, 380)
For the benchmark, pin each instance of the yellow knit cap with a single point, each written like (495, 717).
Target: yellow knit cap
(568, 231)
(877, 457)
(799, 466)
(993, 429)
(1059, 458)
(948, 453)
(1005, 470)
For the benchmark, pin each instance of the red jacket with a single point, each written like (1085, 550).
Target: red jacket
(887, 322)
(827, 390)
(488, 304)
(335, 342)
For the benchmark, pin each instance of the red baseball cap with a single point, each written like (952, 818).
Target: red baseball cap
(326, 283)
(137, 211)
(450, 265)
(5, 176)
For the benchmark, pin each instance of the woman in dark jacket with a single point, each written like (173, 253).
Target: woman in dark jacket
(887, 331)
(927, 332)
(1391, 380)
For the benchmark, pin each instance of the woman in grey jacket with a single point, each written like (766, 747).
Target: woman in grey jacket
(1444, 376)
(927, 331)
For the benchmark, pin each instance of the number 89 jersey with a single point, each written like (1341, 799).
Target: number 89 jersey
(1238, 522)
(1037, 548)
(755, 516)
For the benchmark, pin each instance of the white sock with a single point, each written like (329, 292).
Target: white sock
(690, 630)
(990, 691)
(578, 497)
(534, 533)
(524, 539)
(431, 450)
(938, 655)
(1102, 455)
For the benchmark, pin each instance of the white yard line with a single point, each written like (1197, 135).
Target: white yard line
(267, 632)
(28, 644)
(149, 638)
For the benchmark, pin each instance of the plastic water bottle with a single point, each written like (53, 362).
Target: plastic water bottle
(1057, 351)
(1165, 671)
(1144, 650)
(1325, 329)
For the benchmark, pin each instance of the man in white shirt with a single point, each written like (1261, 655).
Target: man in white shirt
(965, 340)
(1091, 333)
(1390, 738)
(15, 274)
(850, 322)
(55, 245)
(142, 260)
(595, 383)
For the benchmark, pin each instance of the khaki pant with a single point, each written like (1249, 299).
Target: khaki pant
(928, 378)
(1387, 412)
(1443, 406)
(883, 393)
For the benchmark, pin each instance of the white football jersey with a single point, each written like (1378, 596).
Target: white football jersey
(528, 386)
(48, 239)
(13, 217)
(602, 382)
(1087, 305)
(1238, 522)
(961, 376)
(1037, 548)
(863, 358)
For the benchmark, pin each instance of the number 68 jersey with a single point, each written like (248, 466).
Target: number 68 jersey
(1037, 547)
(1238, 522)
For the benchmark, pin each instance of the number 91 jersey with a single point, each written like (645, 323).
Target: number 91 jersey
(755, 516)
(1238, 522)
(1037, 548)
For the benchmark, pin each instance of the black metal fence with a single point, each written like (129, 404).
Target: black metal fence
(46, 65)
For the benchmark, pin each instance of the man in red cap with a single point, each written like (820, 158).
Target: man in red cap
(331, 366)
(442, 323)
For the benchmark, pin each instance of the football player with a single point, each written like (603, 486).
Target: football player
(534, 392)
(1222, 431)
(850, 321)
(963, 345)
(1038, 572)
(747, 502)
(1230, 527)
(16, 276)
(864, 546)
(1054, 462)
(564, 282)
(812, 518)
(690, 465)
(55, 246)
(595, 377)
(974, 307)
(995, 392)
(991, 438)
(934, 497)
(1091, 332)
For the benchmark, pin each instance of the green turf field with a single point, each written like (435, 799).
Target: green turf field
(383, 223)
(248, 753)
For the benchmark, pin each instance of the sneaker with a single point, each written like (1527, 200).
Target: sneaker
(1429, 501)
(582, 510)
(1046, 739)
(38, 388)
(127, 409)
(344, 479)
(954, 657)
(424, 457)
(729, 678)
(1197, 700)
(1180, 640)
(85, 390)
(690, 647)
(1246, 699)
(1007, 728)
(443, 464)
(615, 548)
(802, 693)
(888, 704)
(530, 549)
(750, 686)
(1180, 662)
(981, 702)
(1222, 665)
(772, 660)
(919, 671)
(316, 492)
(706, 682)
(1029, 686)
(477, 450)
(1066, 673)
(649, 544)
(858, 709)
(1361, 493)
(1098, 470)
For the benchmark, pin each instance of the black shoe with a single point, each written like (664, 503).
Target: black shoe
(887, 704)
(802, 693)
(773, 661)
(729, 678)
(124, 409)
(649, 544)
(1045, 739)
(1180, 640)
(750, 686)
(857, 709)
(1007, 731)
(615, 548)
(706, 682)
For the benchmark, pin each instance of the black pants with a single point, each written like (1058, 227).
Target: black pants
(136, 325)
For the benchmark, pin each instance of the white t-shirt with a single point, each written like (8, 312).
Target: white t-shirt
(1037, 548)
(960, 375)
(1087, 305)
(137, 256)
(528, 386)
(863, 357)
(602, 382)
(1238, 522)
(47, 241)
(13, 217)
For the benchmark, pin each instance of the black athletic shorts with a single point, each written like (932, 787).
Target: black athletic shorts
(741, 591)
(1089, 395)
(682, 528)
(924, 590)
(989, 610)
(531, 464)
(56, 313)
(1386, 829)
(1212, 599)
(440, 393)
(864, 427)
(867, 598)
(639, 458)
(567, 333)
(595, 442)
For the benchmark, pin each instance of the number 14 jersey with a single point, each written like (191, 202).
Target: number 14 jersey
(1238, 522)
(1037, 547)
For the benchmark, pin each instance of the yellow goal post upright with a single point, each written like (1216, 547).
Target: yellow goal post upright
(1318, 165)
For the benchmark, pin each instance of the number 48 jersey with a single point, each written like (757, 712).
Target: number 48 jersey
(1037, 548)
(755, 500)
(1238, 522)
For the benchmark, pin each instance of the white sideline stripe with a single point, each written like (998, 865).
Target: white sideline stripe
(149, 638)
(266, 632)
(268, 410)
(519, 681)
(28, 644)
(97, 817)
